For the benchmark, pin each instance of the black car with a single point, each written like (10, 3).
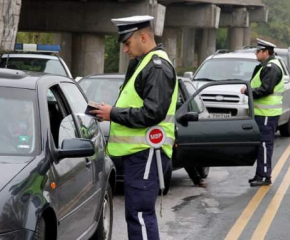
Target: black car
(201, 141)
(56, 180)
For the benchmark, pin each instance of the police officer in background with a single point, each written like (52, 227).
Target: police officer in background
(147, 98)
(268, 87)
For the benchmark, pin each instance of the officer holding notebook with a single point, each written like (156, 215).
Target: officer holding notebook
(147, 98)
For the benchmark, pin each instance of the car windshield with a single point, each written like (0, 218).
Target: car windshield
(34, 64)
(283, 56)
(102, 89)
(226, 69)
(18, 128)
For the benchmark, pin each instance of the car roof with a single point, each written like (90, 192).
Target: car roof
(107, 76)
(245, 55)
(116, 76)
(242, 54)
(21, 79)
(29, 55)
(253, 50)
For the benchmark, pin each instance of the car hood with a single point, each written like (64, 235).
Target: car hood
(220, 88)
(10, 167)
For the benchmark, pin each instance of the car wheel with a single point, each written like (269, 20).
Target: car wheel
(285, 129)
(104, 230)
(203, 171)
(40, 230)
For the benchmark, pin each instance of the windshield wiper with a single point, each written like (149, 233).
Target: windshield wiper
(203, 79)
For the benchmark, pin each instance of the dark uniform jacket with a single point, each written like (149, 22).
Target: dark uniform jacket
(155, 85)
(270, 76)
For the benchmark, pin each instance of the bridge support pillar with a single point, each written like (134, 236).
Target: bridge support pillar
(236, 38)
(88, 52)
(247, 36)
(65, 42)
(123, 60)
(207, 44)
(169, 39)
(188, 47)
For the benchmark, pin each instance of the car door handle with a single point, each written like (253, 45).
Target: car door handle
(88, 162)
(247, 126)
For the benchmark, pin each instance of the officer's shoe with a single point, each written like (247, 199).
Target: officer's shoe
(261, 182)
(253, 179)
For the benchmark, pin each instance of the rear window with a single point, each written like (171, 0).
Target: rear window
(19, 126)
(102, 90)
(34, 64)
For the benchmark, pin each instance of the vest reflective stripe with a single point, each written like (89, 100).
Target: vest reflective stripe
(169, 119)
(268, 106)
(271, 105)
(278, 94)
(124, 140)
(136, 140)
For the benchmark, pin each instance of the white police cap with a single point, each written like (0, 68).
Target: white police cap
(264, 44)
(126, 26)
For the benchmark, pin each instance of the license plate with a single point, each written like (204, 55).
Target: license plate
(220, 115)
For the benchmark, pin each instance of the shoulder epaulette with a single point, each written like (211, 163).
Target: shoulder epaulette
(157, 61)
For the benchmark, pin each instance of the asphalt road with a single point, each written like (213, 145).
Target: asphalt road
(228, 208)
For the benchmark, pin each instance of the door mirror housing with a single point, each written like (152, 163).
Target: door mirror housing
(188, 75)
(187, 117)
(76, 147)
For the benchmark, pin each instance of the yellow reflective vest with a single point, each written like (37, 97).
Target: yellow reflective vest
(271, 105)
(124, 140)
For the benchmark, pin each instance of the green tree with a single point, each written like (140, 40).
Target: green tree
(35, 37)
(278, 27)
(112, 50)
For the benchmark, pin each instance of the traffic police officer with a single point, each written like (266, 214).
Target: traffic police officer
(147, 98)
(267, 86)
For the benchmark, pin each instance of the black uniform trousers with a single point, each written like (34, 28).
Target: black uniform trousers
(141, 185)
(267, 126)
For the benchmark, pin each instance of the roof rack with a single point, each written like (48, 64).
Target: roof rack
(221, 51)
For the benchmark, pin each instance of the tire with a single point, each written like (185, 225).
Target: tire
(203, 171)
(285, 129)
(40, 230)
(167, 178)
(105, 225)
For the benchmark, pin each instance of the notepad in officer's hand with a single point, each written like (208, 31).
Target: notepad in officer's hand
(91, 106)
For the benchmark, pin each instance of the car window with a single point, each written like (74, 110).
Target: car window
(88, 125)
(231, 69)
(62, 123)
(35, 64)
(102, 90)
(283, 67)
(74, 96)
(19, 131)
(196, 104)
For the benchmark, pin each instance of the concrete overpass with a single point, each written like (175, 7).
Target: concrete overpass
(82, 24)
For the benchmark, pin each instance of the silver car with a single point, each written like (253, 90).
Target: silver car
(226, 101)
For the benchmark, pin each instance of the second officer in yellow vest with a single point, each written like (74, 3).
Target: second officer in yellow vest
(268, 87)
(147, 98)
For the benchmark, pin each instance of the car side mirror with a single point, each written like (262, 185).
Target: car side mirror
(188, 75)
(76, 147)
(187, 117)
